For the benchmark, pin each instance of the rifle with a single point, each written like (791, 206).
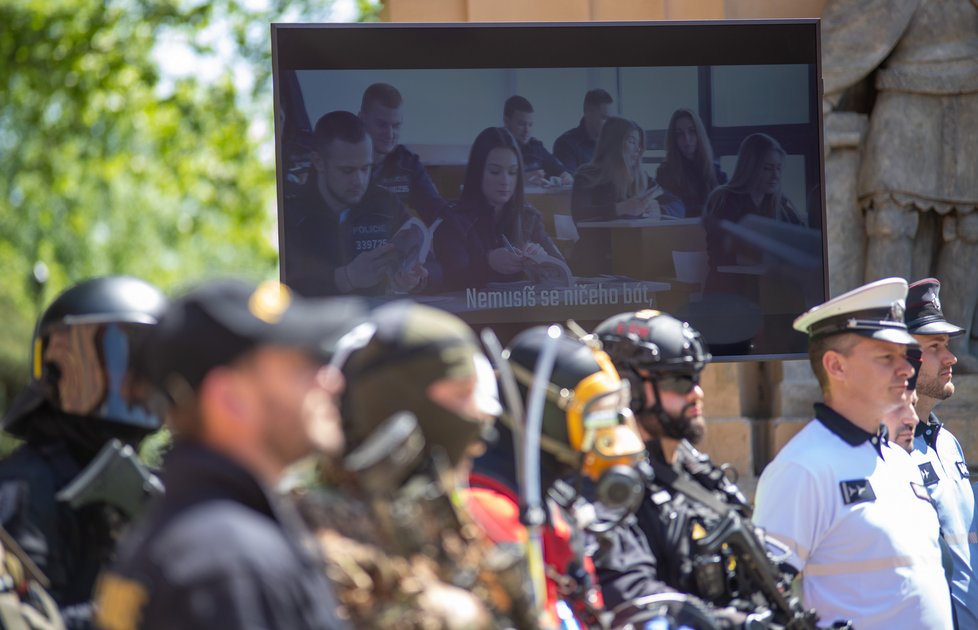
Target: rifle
(733, 536)
(758, 570)
(117, 477)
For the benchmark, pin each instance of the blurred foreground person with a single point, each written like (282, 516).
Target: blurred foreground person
(691, 549)
(529, 487)
(849, 505)
(400, 548)
(243, 369)
(936, 451)
(67, 491)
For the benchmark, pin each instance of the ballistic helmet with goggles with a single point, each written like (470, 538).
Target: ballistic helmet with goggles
(83, 350)
(587, 422)
(651, 345)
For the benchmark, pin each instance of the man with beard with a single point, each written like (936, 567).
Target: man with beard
(662, 358)
(937, 452)
(337, 230)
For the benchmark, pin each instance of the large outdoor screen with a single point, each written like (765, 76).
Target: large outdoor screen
(519, 175)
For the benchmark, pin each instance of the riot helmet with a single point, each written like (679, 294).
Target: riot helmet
(587, 424)
(649, 346)
(83, 354)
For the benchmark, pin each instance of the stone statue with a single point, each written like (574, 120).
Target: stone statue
(912, 65)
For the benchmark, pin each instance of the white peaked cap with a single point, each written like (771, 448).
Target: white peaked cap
(873, 310)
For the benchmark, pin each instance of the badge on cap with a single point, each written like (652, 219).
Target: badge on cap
(270, 301)
(932, 296)
(897, 310)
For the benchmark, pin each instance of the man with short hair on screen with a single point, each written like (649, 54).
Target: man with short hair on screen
(396, 169)
(338, 228)
(576, 146)
(937, 452)
(539, 165)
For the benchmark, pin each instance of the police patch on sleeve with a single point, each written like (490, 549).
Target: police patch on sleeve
(928, 474)
(119, 602)
(963, 470)
(920, 491)
(857, 491)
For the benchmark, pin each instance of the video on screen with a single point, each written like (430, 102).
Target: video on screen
(519, 196)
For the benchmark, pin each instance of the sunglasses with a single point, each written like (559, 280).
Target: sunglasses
(680, 383)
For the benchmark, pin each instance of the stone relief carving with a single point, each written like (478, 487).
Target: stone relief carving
(911, 66)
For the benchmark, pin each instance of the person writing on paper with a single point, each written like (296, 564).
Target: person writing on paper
(337, 231)
(490, 233)
(689, 172)
(754, 189)
(611, 186)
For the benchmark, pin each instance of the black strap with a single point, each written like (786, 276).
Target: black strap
(671, 479)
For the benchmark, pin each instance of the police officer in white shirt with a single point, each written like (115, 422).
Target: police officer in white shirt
(937, 452)
(851, 507)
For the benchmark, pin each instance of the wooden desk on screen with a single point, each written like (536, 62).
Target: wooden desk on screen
(643, 247)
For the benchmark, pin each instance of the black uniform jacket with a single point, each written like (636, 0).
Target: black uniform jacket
(653, 553)
(217, 551)
(68, 545)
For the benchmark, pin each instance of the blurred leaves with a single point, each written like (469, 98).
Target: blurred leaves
(109, 166)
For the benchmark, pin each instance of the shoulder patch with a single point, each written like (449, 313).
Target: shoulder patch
(119, 602)
(920, 491)
(928, 474)
(857, 491)
(963, 470)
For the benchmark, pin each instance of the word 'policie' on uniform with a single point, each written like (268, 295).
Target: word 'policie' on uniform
(940, 458)
(852, 509)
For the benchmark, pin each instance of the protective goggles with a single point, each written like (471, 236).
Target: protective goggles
(678, 383)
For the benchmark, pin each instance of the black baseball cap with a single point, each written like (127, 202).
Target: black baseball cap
(220, 320)
(924, 315)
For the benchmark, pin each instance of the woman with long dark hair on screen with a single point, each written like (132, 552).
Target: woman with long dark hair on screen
(611, 186)
(754, 189)
(490, 233)
(688, 172)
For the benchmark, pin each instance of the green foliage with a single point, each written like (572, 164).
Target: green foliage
(108, 167)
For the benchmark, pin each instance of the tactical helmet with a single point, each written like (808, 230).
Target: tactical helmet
(83, 352)
(586, 419)
(653, 342)
(390, 361)
(651, 345)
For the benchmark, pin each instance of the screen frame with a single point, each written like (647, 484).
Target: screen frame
(368, 46)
